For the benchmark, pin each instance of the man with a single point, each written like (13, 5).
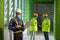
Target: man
(46, 26)
(33, 26)
(17, 26)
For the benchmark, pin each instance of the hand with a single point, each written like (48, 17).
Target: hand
(25, 26)
(18, 26)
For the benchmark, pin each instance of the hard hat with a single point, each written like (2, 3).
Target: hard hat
(45, 14)
(18, 10)
(36, 14)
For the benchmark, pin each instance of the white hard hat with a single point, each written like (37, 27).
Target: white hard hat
(18, 10)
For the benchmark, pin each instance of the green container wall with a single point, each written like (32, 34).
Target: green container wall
(54, 19)
(31, 8)
(1, 20)
(57, 28)
(43, 0)
(27, 10)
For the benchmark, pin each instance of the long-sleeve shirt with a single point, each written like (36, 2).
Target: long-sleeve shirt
(12, 25)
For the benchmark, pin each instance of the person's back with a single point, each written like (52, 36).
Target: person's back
(33, 24)
(46, 25)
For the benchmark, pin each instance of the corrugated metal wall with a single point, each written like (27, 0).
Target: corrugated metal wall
(42, 8)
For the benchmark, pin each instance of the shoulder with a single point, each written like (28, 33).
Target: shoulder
(12, 19)
(32, 19)
(48, 19)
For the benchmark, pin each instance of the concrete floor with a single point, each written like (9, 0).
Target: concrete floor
(39, 36)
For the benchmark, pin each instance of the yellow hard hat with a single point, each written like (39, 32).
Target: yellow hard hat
(45, 14)
(36, 14)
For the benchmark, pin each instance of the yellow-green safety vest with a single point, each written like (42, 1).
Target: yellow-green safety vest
(46, 25)
(33, 25)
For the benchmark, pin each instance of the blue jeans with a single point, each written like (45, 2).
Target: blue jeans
(46, 35)
(32, 35)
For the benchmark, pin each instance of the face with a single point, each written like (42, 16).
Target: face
(45, 17)
(17, 13)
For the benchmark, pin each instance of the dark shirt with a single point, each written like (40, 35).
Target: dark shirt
(12, 24)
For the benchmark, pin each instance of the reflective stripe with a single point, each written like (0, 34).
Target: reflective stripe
(18, 31)
(17, 25)
(16, 22)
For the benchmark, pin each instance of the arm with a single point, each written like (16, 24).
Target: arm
(12, 25)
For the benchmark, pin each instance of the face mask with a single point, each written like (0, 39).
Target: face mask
(19, 16)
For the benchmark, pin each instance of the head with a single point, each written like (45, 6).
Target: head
(45, 15)
(18, 13)
(35, 15)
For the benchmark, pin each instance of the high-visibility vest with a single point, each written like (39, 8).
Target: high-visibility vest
(46, 25)
(33, 25)
(17, 25)
(17, 22)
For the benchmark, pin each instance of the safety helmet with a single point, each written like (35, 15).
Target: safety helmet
(45, 15)
(36, 14)
(19, 11)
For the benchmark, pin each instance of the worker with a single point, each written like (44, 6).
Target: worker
(46, 26)
(33, 26)
(17, 26)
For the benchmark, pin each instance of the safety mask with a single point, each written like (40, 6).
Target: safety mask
(19, 16)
